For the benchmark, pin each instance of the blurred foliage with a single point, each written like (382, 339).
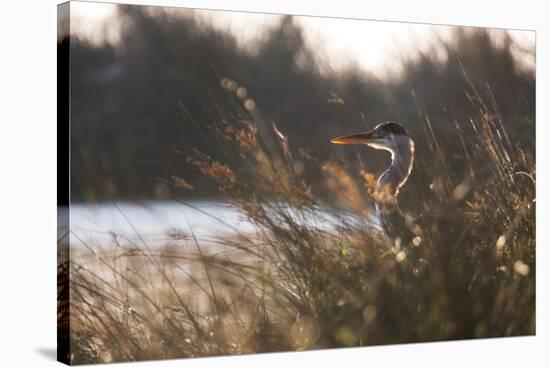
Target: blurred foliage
(311, 275)
(134, 104)
(166, 107)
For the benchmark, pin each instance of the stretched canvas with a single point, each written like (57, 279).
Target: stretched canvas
(235, 183)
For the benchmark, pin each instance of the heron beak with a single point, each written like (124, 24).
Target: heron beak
(363, 138)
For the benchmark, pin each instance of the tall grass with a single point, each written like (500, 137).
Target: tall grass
(318, 272)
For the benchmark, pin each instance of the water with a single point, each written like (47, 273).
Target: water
(155, 222)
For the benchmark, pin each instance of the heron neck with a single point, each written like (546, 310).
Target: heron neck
(402, 154)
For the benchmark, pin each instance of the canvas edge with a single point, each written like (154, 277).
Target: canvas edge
(63, 178)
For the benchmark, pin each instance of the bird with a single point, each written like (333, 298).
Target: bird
(392, 137)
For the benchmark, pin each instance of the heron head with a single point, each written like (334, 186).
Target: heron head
(386, 135)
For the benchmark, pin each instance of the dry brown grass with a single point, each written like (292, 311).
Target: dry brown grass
(296, 285)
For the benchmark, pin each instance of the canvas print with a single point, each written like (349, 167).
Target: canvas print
(236, 183)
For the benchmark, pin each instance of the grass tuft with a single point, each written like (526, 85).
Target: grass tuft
(318, 273)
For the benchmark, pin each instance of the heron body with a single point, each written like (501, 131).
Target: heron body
(392, 137)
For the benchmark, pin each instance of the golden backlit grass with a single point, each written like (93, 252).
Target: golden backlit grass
(298, 283)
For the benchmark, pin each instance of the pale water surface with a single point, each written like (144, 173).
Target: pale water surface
(155, 222)
(152, 222)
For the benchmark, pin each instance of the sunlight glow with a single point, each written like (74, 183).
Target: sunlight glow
(374, 46)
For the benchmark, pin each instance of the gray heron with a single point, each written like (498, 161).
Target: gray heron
(392, 137)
